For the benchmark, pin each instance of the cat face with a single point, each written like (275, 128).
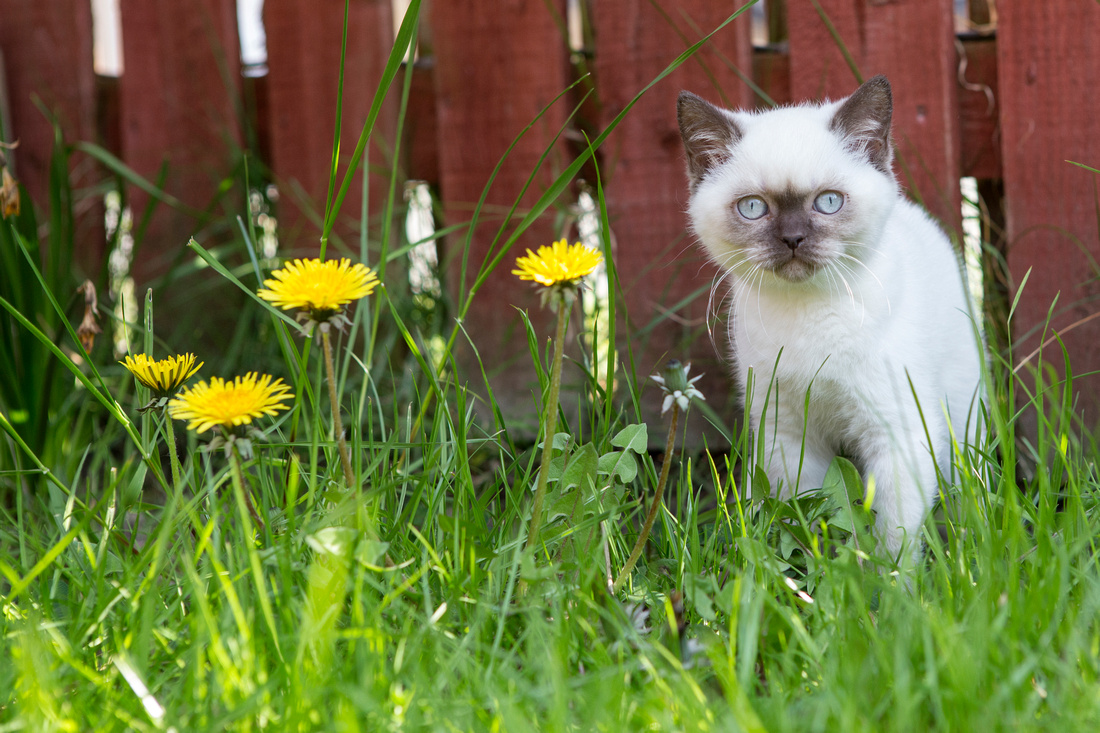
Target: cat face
(791, 195)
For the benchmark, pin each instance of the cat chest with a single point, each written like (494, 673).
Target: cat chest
(801, 348)
(837, 406)
(841, 368)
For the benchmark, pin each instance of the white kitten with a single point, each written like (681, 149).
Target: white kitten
(842, 290)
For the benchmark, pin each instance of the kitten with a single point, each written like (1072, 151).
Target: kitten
(842, 290)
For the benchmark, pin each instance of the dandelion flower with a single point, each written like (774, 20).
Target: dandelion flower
(230, 404)
(163, 377)
(676, 386)
(319, 290)
(560, 264)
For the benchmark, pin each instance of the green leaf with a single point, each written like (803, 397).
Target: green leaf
(698, 597)
(576, 486)
(761, 487)
(369, 553)
(562, 442)
(619, 465)
(337, 541)
(788, 543)
(574, 498)
(843, 489)
(756, 553)
(582, 468)
(132, 493)
(632, 437)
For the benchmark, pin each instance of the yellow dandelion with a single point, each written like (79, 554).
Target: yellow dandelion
(230, 404)
(558, 264)
(164, 377)
(320, 288)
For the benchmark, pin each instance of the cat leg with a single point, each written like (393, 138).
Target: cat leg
(905, 485)
(794, 462)
(793, 456)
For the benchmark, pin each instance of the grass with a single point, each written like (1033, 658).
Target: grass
(130, 602)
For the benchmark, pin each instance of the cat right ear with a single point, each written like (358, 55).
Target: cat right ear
(863, 121)
(708, 134)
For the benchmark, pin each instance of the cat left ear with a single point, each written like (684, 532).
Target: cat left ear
(708, 134)
(864, 122)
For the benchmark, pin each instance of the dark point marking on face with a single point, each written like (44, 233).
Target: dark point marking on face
(708, 135)
(790, 200)
(792, 224)
(863, 121)
(792, 228)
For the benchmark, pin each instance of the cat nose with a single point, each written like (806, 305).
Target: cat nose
(793, 241)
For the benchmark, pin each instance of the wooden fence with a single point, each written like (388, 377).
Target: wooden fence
(1008, 107)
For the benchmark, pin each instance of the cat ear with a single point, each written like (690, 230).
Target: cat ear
(863, 121)
(708, 134)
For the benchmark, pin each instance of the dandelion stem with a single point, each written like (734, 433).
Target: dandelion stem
(173, 457)
(651, 517)
(244, 502)
(337, 423)
(245, 507)
(550, 422)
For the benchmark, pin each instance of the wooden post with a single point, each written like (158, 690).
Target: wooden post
(303, 42)
(494, 72)
(1048, 80)
(664, 273)
(912, 42)
(48, 56)
(180, 97)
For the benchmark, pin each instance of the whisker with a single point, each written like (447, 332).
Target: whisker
(841, 268)
(719, 279)
(861, 263)
(836, 270)
(737, 287)
(759, 309)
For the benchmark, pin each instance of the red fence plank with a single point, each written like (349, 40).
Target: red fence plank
(819, 69)
(179, 95)
(1049, 75)
(658, 262)
(494, 72)
(913, 43)
(48, 54)
(303, 42)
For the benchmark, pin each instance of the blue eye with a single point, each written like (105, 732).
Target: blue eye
(829, 202)
(752, 207)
